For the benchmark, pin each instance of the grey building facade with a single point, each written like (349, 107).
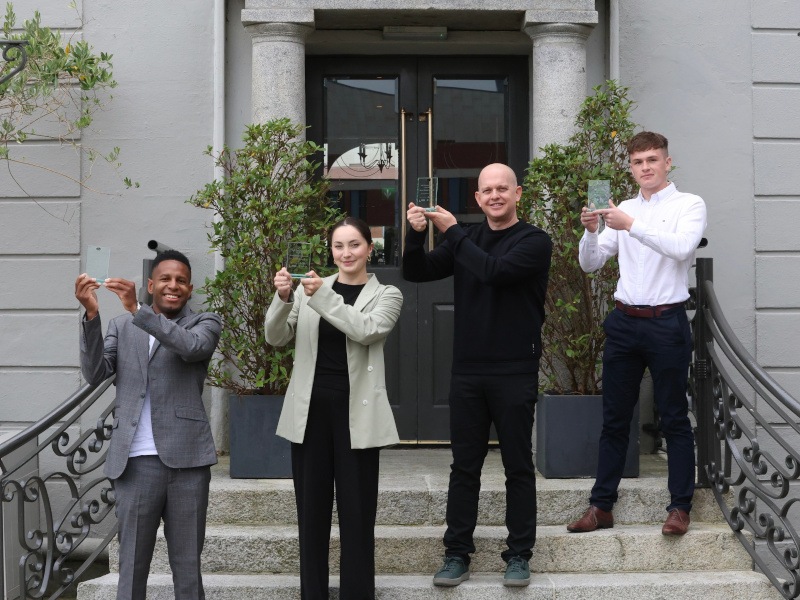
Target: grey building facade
(721, 79)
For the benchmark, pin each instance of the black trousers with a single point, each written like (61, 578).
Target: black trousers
(664, 345)
(323, 460)
(477, 401)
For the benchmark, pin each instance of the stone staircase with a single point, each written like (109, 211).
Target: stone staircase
(251, 544)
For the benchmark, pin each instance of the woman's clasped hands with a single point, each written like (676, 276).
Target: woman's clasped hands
(283, 283)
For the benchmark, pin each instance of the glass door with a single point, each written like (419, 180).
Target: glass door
(384, 122)
(361, 155)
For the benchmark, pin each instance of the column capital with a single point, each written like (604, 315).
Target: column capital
(568, 30)
(264, 16)
(279, 32)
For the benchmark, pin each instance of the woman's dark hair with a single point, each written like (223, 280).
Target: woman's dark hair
(360, 226)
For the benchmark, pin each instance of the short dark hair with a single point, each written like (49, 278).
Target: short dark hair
(360, 226)
(647, 140)
(171, 255)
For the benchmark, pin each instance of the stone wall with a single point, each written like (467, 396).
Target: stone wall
(161, 116)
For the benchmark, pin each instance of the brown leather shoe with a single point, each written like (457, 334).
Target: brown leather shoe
(677, 522)
(593, 518)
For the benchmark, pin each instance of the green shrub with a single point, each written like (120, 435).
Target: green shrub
(554, 190)
(269, 196)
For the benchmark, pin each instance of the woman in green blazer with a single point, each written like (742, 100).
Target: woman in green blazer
(336, 412)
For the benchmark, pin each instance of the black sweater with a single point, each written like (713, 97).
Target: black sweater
(500, 281)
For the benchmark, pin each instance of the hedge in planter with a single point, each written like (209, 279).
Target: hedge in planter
(269, 195)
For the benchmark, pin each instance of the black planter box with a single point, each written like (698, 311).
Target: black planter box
(567, 436)
(256, 452)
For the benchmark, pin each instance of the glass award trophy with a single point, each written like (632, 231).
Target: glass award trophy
(298, 259)
(427, 189)
(97, 259)
(599, 193)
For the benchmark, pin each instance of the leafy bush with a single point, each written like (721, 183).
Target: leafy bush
(56, 95)
(269, 196)
(554, 191)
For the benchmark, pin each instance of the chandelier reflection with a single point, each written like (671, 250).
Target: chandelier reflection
(365, 161)
(382, 159)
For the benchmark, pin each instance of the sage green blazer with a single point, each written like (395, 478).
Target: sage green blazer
(366, 324)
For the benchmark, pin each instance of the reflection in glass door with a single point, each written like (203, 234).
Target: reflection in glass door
(384, 122)
(361, 156)
(469, 132)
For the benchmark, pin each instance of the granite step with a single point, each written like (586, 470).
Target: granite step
(418, 549)
(691, 585)
(413, 491)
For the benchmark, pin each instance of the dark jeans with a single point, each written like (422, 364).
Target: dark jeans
(477, 401)
(325, 458)
(663, 345)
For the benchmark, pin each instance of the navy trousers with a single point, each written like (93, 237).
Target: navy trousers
(477, 401)
(663, 345)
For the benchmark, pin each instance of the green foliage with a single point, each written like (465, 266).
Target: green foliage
(555, 189)
(57, 94)
(269, 196)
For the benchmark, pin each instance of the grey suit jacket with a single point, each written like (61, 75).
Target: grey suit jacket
(176, 370)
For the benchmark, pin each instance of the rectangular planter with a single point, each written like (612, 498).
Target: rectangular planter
(567, 436)
(256, 451)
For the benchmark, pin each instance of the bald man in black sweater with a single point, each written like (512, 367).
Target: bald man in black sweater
(500, 270)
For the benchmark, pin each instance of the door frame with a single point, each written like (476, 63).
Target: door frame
(417, 378)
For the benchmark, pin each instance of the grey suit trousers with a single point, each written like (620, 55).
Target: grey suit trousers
(147, 492)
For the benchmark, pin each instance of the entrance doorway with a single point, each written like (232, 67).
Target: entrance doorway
(384, 123)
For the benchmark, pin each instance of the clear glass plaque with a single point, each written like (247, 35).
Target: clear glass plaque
(599, 193)
(427, 189)
(97, 259)
(298, 259)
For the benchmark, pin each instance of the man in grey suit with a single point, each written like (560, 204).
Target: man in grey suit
(161, 447)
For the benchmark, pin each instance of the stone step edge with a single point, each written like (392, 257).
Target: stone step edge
(424, 484)
(736, 584)
(419, 549)
(427, 507)
(481, 531)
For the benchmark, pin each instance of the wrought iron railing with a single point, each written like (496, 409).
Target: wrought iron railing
(748, 429)
(56, 497)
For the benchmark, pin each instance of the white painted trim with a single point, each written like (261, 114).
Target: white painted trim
(219, 402)
(613, 40)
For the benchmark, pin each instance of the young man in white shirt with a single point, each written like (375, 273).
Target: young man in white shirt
(655, 235)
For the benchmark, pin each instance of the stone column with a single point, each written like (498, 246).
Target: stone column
(558, 80)
(279, 81)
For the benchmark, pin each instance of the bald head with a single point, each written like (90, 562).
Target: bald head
(498, 170)
(498, 194)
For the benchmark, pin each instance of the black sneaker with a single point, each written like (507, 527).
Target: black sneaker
(518, 573)
(453, 571)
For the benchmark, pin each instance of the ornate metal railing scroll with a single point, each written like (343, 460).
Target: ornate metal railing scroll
(58, 512)
(748, 451)
(15, 56)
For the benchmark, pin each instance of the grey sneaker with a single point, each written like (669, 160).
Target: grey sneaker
(518, 573)
(453, 571)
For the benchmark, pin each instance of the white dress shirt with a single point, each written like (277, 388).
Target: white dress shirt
(144, 444)
(657, 253)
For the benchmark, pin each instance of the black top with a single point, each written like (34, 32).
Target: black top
(331, 369)
(500, 282)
